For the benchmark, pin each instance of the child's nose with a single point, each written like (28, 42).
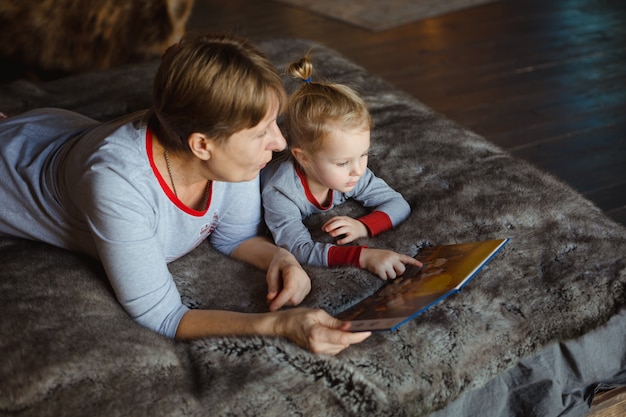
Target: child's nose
(358, 169)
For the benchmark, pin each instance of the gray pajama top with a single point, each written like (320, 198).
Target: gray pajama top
(92, 187)
(287, 201)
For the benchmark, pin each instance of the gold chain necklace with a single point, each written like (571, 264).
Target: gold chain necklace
(169, 171)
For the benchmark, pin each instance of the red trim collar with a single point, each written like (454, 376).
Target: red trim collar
(307, 190)
(166, 189)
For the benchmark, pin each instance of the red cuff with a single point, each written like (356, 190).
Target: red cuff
(345, 255)
(376, 222)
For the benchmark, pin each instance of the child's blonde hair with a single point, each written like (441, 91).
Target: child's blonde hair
(316, 109)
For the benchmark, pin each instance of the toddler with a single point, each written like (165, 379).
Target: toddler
(327, 128)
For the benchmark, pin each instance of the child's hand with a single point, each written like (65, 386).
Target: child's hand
(385, 263)
(347, 228)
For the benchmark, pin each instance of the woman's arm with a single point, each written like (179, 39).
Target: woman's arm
(311, 329)
(375, 194)
(314, 330)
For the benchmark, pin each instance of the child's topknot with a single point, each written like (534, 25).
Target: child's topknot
(302, 69)
(316, 109)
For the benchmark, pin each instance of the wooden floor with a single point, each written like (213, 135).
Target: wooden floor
(546, 80)
(611, 403)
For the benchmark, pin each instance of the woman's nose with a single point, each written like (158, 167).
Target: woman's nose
(278, 142)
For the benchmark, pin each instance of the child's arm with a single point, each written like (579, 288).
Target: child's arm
(290, 233)
(285, 206)
(389, 208)
(283, 213)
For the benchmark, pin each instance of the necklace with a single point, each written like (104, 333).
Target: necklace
(169, 171)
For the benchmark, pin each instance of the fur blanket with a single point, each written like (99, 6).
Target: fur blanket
(69, 36)
(68, 348)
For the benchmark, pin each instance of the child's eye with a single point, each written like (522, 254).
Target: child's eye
(342, 164)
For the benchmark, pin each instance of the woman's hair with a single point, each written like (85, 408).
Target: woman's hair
(214, 84)
(316, 109)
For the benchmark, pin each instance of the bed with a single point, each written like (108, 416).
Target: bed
(536, 333)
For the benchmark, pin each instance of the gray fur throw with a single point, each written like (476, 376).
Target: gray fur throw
(67, 347)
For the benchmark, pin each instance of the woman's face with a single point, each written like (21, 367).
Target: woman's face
(242, 156)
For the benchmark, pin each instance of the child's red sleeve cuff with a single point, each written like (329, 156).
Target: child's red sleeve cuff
(345, 255)
(376, 222)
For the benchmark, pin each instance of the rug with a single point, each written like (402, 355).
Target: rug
(377, 15)
(67, 347)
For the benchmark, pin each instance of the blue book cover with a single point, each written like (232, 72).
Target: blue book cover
(446, 270)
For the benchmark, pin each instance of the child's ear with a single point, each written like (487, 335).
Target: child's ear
(201, 146)
(301, 156)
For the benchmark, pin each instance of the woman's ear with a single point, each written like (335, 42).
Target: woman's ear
(201, 146)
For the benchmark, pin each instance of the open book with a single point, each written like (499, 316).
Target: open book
(446, 269)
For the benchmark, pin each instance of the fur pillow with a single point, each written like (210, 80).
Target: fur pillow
(43, 37)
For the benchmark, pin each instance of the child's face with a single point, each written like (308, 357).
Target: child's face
(341, 161)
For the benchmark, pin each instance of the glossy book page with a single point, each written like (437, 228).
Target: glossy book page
(446, 269)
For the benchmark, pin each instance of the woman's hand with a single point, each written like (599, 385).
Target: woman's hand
(385, 263)
(316, 330)
(346, 228)
(287, 282)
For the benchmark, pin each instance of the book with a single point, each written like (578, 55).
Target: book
(446, 270)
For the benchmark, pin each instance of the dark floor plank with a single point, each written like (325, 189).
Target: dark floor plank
(602, 68)
(619, 215)
(553, 129)
(540, 106)
(591, 160)
(611, 198)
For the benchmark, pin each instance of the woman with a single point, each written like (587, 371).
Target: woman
(143, 190)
